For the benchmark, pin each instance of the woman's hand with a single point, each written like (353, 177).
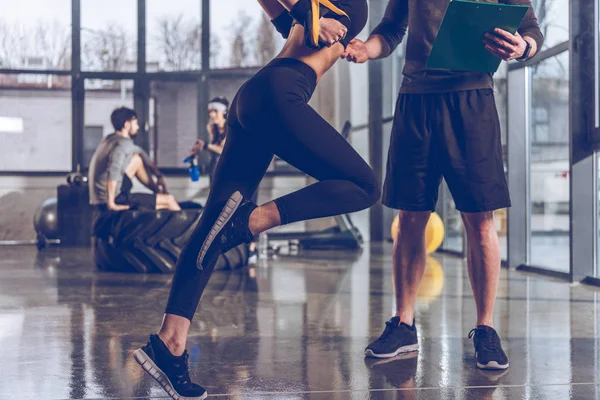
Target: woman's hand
(331, 31)
(198, 146)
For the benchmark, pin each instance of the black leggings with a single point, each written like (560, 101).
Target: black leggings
(268, 116)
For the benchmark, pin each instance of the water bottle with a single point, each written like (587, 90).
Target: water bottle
(263, 246)
(193, 169)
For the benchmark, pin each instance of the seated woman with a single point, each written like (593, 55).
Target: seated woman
(269, 115)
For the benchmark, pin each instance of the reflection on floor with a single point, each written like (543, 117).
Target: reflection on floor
(294, 329)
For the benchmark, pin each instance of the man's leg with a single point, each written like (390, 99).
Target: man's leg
(411, 185)
(408, 262)
(166, 201)
(483, 259)
(136, 168)
(472, 166)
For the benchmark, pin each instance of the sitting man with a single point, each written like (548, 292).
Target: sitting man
(114, 164)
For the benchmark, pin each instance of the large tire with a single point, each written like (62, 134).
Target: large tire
(150, 241)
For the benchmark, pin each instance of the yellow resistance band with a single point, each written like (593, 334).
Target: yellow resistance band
(315, 12)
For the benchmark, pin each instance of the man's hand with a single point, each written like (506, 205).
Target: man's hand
(356, 52)
(117, 207)
(331, 31)
(505, 45)
(198, 146)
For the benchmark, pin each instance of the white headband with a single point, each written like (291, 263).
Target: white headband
(217, 106)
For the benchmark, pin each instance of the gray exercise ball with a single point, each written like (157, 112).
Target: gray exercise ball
(45, 220)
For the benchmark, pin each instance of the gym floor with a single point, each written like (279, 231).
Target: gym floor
(293, 329)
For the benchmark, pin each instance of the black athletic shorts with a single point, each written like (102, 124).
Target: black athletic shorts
(454, 135)
(137, 201)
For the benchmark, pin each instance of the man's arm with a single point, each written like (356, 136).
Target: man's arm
(391, 30)
(385, 37)
(117, 164)
(111, 195)
(530, 29)
(510, 47)
(151, 170)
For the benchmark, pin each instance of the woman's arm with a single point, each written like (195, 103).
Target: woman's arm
(273, 8)
(217, 148)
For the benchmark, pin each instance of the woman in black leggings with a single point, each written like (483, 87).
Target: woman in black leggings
(268, 116)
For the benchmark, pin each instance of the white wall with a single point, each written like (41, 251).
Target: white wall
(45, 143)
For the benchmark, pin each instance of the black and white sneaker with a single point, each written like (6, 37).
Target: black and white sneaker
(229, 230)
(397, 338)
(398, 370)
(170, 371)
(488, 349)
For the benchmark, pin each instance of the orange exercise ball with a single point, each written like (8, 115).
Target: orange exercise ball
(434, 233)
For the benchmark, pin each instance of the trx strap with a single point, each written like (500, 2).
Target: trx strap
(312, 28)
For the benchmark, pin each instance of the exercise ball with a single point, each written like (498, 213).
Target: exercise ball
(433, 281)
(434, 232)
(45, 219)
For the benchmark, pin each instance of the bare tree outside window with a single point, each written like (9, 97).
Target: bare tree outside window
(265, 41)
(106, 49)
(179, 43)
(46, 45)
(241, 46)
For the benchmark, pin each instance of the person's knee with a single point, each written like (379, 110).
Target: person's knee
(173, 204)
(480, 223)
(413, 221)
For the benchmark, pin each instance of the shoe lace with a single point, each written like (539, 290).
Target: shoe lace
(182, 372)
(487, 340)
(389, 328)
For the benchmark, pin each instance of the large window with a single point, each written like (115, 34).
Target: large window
(549, 179)
(241, 35)
(173, 35)
(501, 96)
(173, 121)
(553, 18)
(35, 122)
(35, 34)
(101, 98)
(109, 35)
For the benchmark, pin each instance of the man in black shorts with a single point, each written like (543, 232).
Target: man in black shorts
(116, 161)
(445, 125)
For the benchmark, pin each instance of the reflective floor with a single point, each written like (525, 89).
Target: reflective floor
(293, 329)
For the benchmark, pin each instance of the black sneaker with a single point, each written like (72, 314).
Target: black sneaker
(398, 370)
(230, 230)
(488, 349)
(169, 371)
(396, 338)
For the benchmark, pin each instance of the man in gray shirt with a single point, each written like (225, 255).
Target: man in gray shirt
(116, 161)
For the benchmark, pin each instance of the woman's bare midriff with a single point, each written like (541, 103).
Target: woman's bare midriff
(319, 60)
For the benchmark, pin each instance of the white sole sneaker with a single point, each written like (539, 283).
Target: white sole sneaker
(403, 349)
(492, 365)
(159, 376)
